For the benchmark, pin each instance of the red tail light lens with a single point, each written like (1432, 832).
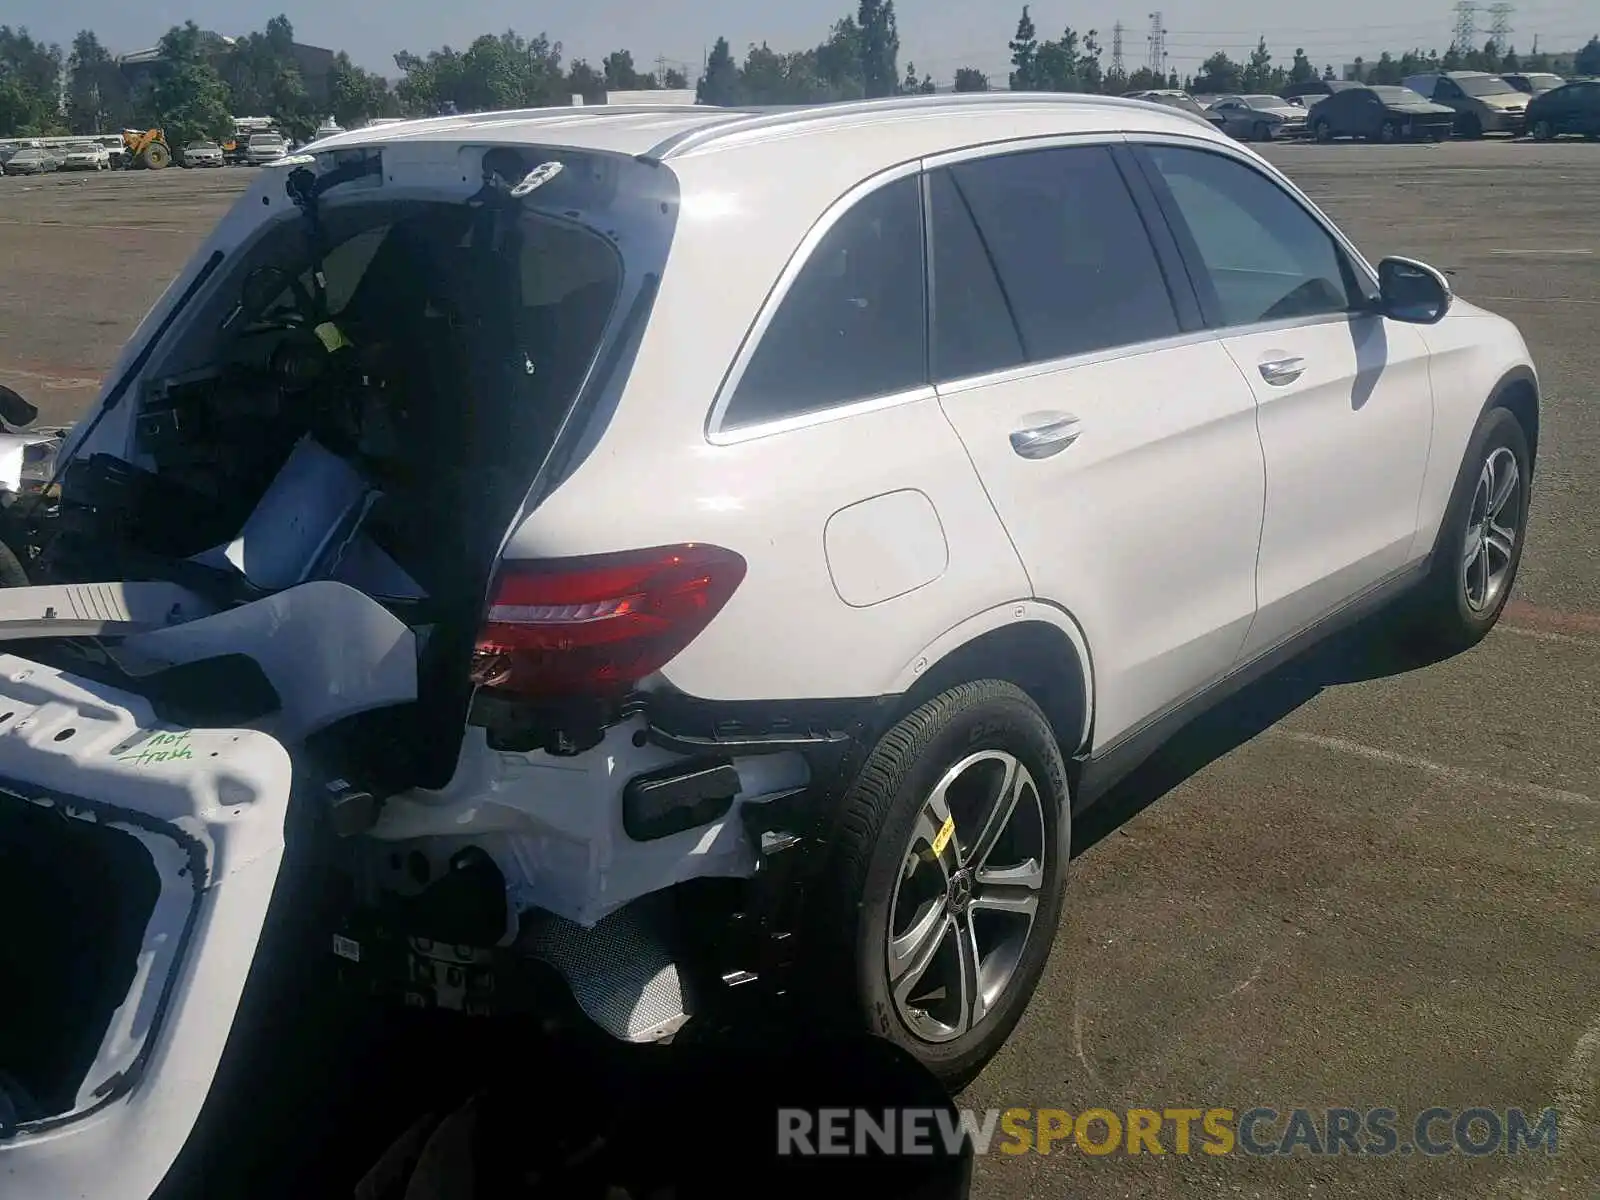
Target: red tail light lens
(598, 625)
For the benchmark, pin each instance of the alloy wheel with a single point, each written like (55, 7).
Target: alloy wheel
(967, 895)
(1492, 531)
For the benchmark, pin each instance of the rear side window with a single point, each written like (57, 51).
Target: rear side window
(1265, 257)
(853, 324)
(1075, 263)
(973, 329)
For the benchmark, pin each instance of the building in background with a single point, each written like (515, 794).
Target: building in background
(314, 62)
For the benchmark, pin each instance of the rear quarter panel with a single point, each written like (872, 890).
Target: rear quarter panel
(652, 476)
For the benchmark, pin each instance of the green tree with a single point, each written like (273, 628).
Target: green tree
(1385, 70)
(1025, 55)
(970, 79)
(1587, 61)
(880, 47)
(583, 80)
(1301, 70)
(1327, 71)
(30, 76)
(188, 98)
(355, 95)
(720, 83)
(1258, 74)
(674, 78)
(1219, 73)
(1511, 61)
(1143, 79)
(839, 61)
(97, 94)
(619, 72)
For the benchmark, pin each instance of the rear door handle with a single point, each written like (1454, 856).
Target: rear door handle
(1279, 371)
(1046, 434)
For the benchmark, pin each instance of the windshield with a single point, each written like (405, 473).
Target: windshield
(1485, 85)
(1399, 95)
(266, 139)
(1264, 101)
(1544, 81)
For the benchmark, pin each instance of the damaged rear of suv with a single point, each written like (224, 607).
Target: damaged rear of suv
(544, 526)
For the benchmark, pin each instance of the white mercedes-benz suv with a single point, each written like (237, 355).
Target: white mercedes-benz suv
(710, 553)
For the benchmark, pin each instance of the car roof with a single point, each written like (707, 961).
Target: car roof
(922, 125)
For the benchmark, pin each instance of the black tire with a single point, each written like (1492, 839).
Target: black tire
(1543, 131)
(1261, 132)
(872, 845)
(1388, 132)
(1442, 620)
(11, 570)
(1322, 131)
(1469, 127)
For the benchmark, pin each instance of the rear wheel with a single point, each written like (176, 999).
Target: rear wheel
(156, 156)
(946, 886)
(1480, 544)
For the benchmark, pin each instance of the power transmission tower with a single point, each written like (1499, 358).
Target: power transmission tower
(1116, 49)
(661, 70)
(1157, 38)
(1466, 26)
(1500, 24)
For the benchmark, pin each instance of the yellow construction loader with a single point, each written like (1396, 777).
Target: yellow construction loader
(145, 148)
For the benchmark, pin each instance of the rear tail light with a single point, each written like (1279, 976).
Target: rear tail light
(596, 626)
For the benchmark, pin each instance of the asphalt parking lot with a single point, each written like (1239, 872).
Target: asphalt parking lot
(1361, 884)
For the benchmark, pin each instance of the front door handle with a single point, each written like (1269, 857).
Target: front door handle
(1046, 434)
(1279, 371)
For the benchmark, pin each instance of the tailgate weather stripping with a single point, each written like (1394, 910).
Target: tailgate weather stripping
(117, 1074)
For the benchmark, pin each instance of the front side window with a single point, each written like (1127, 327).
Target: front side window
(853, 325)
(1264, 256)
(1074, 260)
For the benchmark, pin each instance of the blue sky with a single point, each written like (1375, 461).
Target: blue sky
(939, 35)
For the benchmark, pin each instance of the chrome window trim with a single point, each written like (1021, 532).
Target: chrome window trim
(1274, 176)
(835, 412)
(1091, 358)
(714, 431)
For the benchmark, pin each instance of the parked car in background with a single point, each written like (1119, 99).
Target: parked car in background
(1312, 90)
(1174, 98)
(264, 148)
(1483, 103)
(1259, 118)
(201, 154)
(85, 156)
(1533, 83)
(1380, 113)
(31, 160)
(1571, 108)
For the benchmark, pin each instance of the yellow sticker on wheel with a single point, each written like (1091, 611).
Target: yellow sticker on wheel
(942, 840)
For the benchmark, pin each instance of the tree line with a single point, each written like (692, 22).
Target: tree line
(201, 83)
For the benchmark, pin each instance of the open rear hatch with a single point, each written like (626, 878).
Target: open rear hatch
(137, 863)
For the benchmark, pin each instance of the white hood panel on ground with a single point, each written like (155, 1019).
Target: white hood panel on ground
(222, 794)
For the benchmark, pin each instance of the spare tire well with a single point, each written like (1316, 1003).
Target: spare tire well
(1035, 656)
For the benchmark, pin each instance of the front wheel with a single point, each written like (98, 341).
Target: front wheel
(1480, 544)
(1543, 131)
(1262, 132)
(1322, 131)
(946, 887)
(1469, 127)
(1389, 132)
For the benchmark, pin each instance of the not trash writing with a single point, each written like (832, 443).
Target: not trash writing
(161, 747)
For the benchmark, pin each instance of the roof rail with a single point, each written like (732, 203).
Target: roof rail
(746, 120)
